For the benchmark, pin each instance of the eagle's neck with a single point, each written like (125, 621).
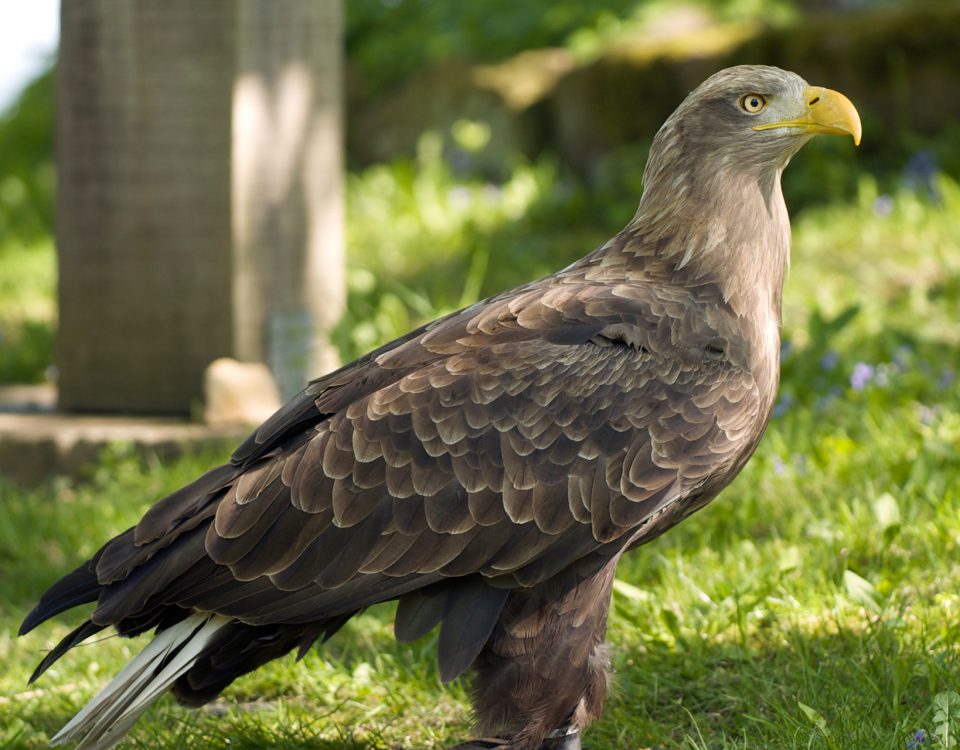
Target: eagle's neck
(726, 235)
(727, 226)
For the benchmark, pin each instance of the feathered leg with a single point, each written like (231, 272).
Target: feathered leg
(542, 676)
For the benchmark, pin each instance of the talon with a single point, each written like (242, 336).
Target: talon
(563, 739)
(482, 743)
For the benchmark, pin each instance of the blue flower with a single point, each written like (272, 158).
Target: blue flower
(460, 161)
(784, 404)
(829, 360)
(861, 375)
(826, 402)
(920, 174)
(919, 738)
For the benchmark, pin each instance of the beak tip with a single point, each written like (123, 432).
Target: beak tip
(857, 128)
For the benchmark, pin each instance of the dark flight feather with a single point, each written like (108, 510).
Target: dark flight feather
(419, 612)
(473, 609)
(76, 636)
(79, 587)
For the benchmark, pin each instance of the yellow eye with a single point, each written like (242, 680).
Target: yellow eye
(753, 104)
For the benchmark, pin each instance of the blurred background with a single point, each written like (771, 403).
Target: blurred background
(471, 147)
(489, 143)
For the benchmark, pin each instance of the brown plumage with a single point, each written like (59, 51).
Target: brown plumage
(489, 469)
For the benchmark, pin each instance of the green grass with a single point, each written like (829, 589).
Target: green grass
(815, 604)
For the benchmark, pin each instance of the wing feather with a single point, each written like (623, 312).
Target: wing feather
(389, 549)
(472, 611)
(419, 612)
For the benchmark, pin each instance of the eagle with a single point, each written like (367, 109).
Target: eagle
(489, 469)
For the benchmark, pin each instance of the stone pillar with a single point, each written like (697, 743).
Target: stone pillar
(199, 209)
(287, 186)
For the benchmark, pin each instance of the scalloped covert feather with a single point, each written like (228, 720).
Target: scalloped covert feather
(489, 469)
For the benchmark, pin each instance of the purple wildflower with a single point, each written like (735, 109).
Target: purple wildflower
(921, 172)
(826, 401)
(917, 739)
(829, 360)
(861, 375)
(883, 205)
(946, 378)
(927, 414)
(779, 466)
(783, 405)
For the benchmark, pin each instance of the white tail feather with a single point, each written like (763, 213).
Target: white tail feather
(109, 715)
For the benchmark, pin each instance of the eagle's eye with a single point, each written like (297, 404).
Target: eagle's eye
(753, 104)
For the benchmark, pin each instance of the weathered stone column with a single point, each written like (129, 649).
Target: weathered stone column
(289, 286)
(199, 208)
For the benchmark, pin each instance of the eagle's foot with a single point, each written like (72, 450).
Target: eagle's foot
(483, 743)
(566, 738)
(562, 739)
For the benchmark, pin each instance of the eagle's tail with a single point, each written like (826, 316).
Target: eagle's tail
(105, 719)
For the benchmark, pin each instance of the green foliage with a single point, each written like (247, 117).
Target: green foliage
(419, 32)
(27, 310)
(946, 716)
(27, 263)
(388, 40)
(26, 163)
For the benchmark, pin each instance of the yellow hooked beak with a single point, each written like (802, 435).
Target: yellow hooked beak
(827, 111)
